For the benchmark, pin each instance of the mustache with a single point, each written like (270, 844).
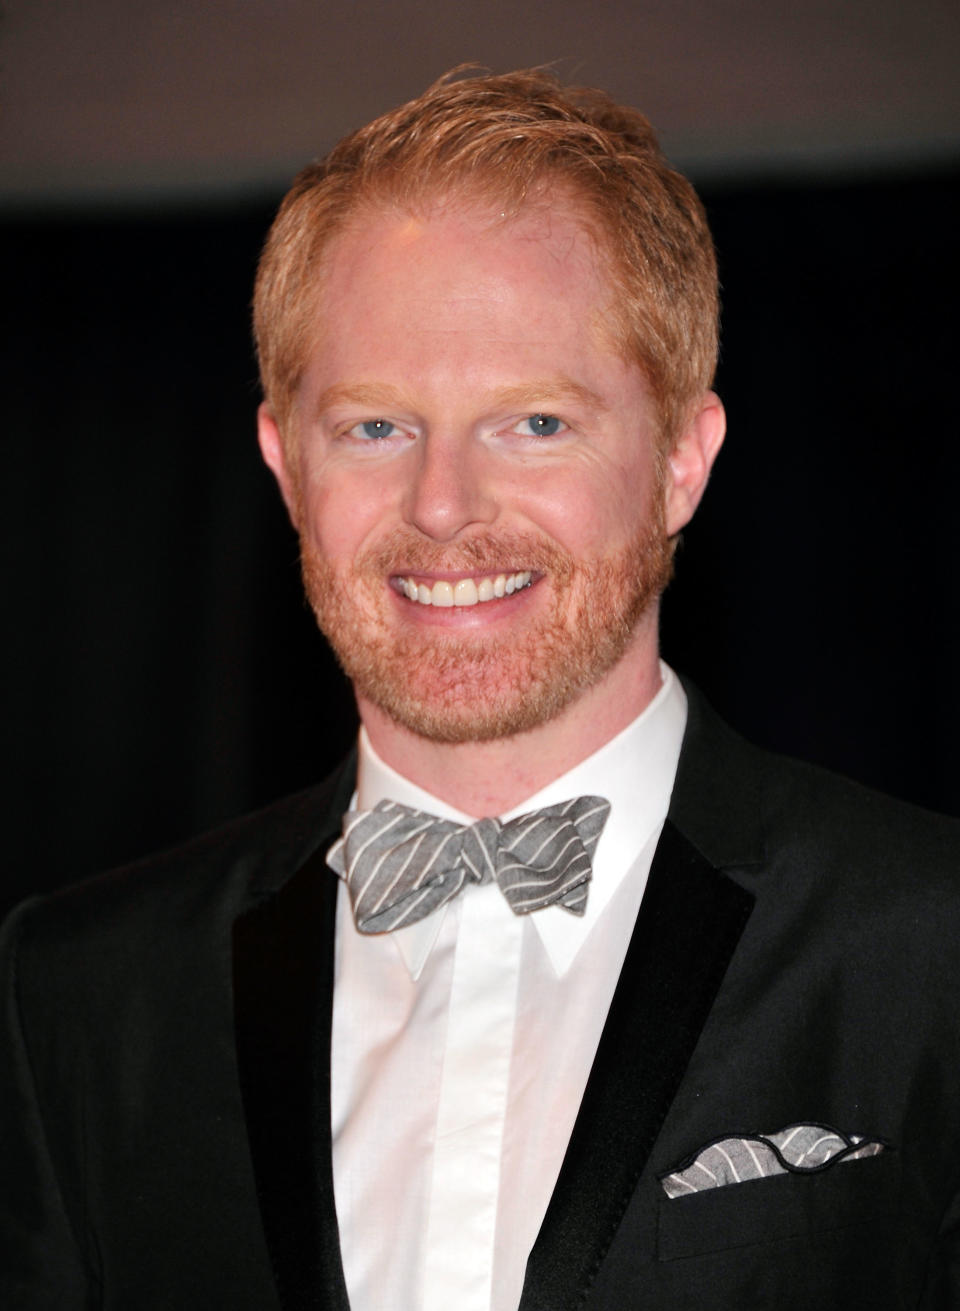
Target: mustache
(404, 551)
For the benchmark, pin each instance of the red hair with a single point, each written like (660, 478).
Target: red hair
(502, 139)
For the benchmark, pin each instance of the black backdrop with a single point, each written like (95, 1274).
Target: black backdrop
(161, 670)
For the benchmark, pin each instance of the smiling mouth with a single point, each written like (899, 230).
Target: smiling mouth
(465, 591)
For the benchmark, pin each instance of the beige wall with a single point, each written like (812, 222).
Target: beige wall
(107, 98)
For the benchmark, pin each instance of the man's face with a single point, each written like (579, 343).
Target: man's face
(466, 434)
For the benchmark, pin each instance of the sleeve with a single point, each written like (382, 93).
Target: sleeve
(942, 1286)
(41, 1264)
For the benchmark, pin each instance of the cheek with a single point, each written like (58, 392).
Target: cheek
(342, 514)
(594, 511)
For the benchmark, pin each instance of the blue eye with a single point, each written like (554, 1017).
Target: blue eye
(375, 429)
(543, 425)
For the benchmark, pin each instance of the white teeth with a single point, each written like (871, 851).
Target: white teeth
(466, 591)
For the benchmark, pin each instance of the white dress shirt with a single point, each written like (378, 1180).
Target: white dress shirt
(462, 1044)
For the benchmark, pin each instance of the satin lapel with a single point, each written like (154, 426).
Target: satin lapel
(689, 924)
(283, 952)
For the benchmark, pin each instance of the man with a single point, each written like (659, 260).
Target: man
(716, 1069)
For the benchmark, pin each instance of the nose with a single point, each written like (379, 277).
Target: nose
(450, 488)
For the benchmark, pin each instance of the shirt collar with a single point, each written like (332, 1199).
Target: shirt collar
(635, 772)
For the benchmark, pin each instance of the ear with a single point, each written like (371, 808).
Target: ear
(275, 458)
(690, 461)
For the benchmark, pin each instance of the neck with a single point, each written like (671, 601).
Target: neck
(489, 778)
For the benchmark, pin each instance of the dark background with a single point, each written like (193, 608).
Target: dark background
(161, 670)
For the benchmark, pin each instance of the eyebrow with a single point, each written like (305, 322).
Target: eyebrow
(547, 389)
(522, 395)
(374, 395)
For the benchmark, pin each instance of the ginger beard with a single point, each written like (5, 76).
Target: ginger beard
(481, 684)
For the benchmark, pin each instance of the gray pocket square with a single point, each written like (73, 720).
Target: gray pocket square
(798, 1149)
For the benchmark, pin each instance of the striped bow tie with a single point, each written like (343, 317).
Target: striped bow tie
(401, 864)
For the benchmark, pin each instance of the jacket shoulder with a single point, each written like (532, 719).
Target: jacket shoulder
(744, 805)
(170, 895)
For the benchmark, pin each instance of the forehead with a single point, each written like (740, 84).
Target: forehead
(394, 279)
(536, 241)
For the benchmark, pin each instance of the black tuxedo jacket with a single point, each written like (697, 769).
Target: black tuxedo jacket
(164, 1088)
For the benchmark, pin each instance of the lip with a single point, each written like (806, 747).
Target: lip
(430, 576)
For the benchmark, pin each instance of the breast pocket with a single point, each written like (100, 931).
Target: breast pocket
(849, 1193)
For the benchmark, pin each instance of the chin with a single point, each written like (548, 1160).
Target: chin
(466, 699)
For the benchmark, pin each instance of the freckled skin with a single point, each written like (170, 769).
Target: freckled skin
(453, 330)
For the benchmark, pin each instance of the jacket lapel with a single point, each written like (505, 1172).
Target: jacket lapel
(690, 922)
(283, 953)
